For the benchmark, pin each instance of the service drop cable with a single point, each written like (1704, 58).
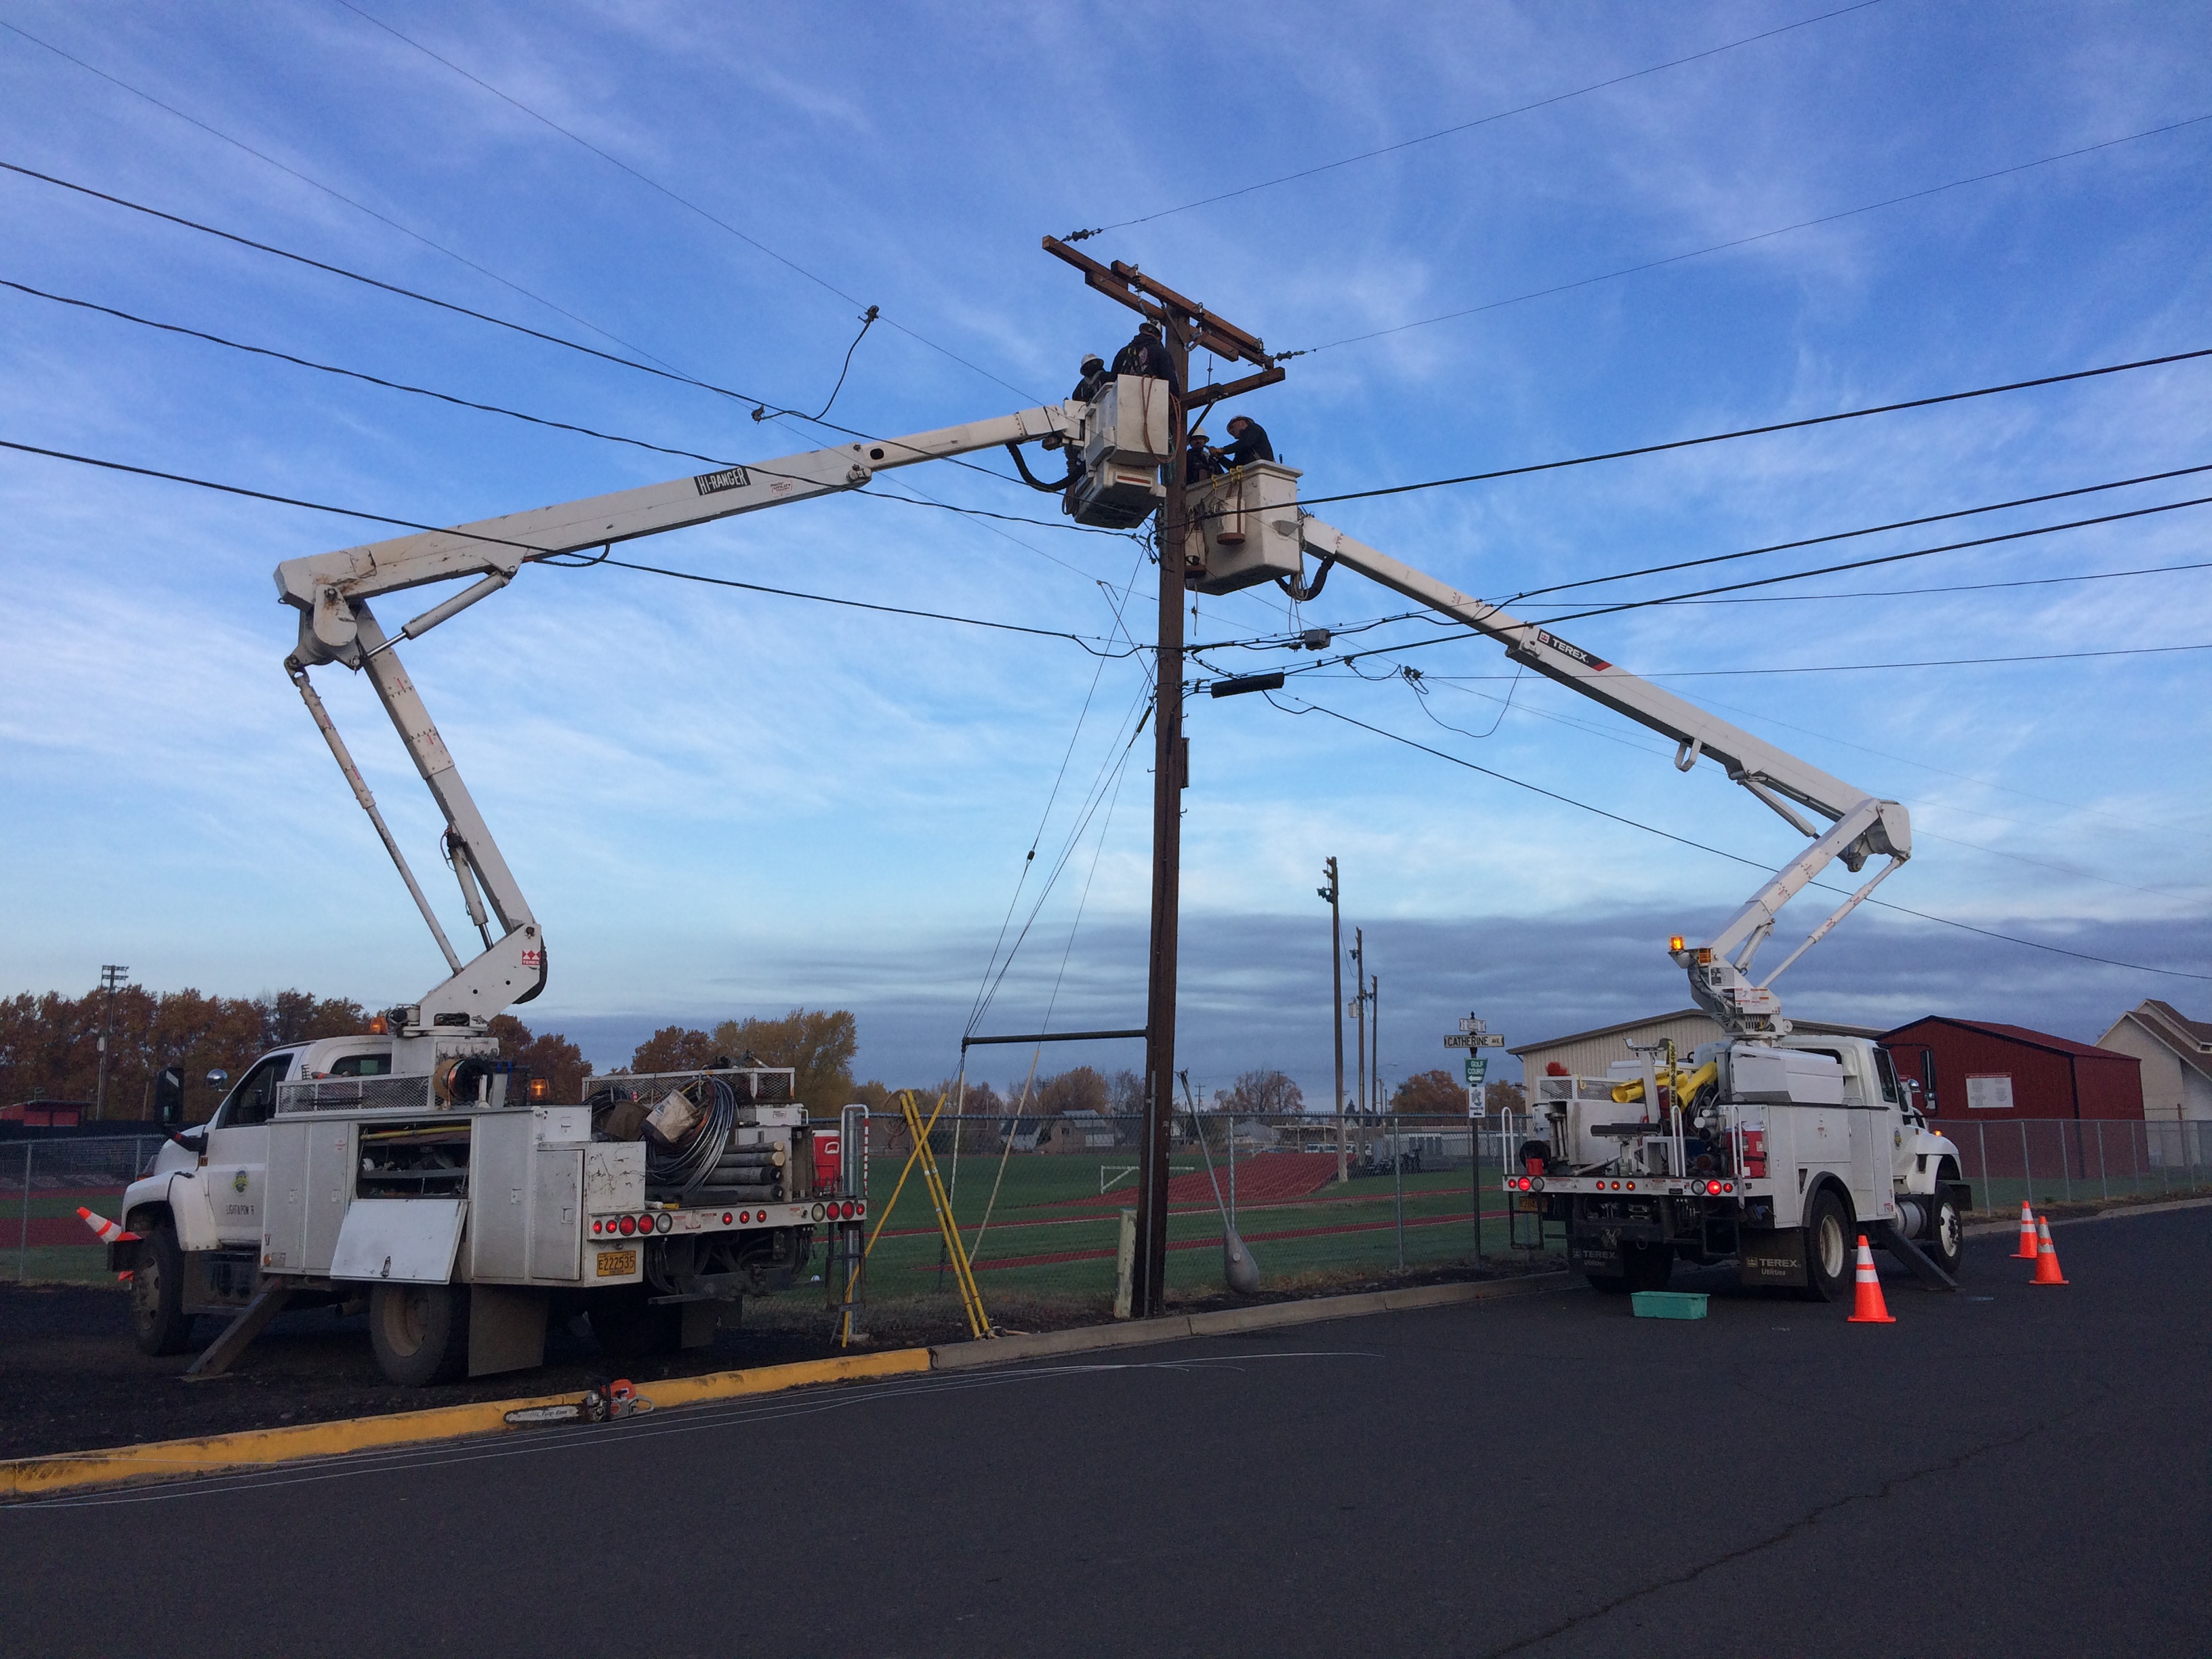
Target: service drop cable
(1737, 857)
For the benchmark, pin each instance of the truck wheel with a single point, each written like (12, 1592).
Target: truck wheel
(420, 1332)
(1945, 1243)
(159, 1324)
(1650, 1265)
(629, 1327)
(1829, 1258)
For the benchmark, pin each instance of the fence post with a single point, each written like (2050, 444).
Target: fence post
(1398, 1185)
(23, 1238)
(1232, 1172)
(2066, 1163)
(1982, 1144)
(2103, 1185)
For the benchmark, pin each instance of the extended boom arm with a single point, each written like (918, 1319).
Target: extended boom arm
(1860, 825)
(333, 590)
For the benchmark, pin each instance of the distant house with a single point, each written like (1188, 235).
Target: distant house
(2176, 1054)
(1976, 1070)
(1077, 1132)
(1023, 1131)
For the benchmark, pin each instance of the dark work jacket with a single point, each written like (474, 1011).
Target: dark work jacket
(1087, 388)
(1146, 357)
(1200, 462)
(1252, 446)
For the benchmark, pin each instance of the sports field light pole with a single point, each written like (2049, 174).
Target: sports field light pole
(111, 976)
(1336, 1001)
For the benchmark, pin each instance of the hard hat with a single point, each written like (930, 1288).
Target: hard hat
(1093, 359)
(1148, 327)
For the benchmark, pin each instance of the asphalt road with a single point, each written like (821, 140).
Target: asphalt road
(2011, 1471)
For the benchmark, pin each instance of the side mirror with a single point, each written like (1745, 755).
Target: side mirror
(169, 1098)
(218, 1079)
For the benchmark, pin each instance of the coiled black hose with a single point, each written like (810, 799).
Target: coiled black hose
(686, 1162)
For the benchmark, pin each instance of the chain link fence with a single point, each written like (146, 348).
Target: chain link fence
(2068, 1160)
(1039, 1201)
(42, 1184)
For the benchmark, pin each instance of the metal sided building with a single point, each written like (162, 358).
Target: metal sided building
(1967, 1070)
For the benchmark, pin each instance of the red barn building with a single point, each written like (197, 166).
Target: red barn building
(1974, 1070)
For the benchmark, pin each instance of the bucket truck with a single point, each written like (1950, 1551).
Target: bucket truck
(414, 1172)
(1767, 1147)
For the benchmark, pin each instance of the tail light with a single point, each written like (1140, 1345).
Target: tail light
(627, 1225)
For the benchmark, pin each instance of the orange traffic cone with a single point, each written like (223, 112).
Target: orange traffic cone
(2026, 1250)
(1870, 1310)
(2046, 1258)
(110, 1232)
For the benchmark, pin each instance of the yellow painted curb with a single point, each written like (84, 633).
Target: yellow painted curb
(40, 1477)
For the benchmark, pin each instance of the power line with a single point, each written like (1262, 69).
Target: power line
(1479, 121)
(1885, 558)
(1743, 241)
(1960, 587)
(1849, 667)
(1847, 535)
(335, 194)
(682, 201)
(1760, 431)
(853, 605)
(359, 374)
(1737, 858)
(377, 283)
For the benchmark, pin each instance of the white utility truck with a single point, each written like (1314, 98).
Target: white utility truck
(1771, 1148)
(415, 1172)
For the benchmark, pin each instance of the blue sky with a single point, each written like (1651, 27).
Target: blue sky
(725, 803)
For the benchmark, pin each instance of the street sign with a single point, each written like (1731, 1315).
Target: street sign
(1471, 1023)
(1463, 1040)
(1476, 1066)
(1493, 1039)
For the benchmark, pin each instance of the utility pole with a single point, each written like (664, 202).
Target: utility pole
(1359, 1013)
(1170, 768)
(111, 976)
(1375, 1028)
(1184, 323)
(1336, 1001)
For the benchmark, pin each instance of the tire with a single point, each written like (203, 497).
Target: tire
(1650, 1265)
(159, 1324)
(1829, 1256)
(628, 1327)
(1945, 1244)
(420, 1332)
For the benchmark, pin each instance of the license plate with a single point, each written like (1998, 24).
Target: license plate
(617, 1264)
(1526, 1204)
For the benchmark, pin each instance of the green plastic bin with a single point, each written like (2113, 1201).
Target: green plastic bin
(1669, 1304)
